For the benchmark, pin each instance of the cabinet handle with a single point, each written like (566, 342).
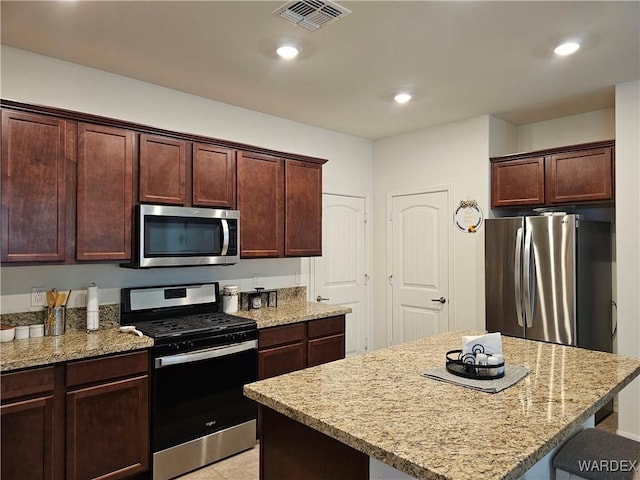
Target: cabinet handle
(441, 300)
(319, 298)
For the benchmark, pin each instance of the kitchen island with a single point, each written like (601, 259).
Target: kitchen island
(327, 421)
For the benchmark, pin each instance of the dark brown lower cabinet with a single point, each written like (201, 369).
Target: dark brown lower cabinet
(288, 348)
(27, 439)
(289, 449)
(31, 438)
(107, 430)
(81, 420)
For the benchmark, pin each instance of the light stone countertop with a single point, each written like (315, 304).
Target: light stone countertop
(292, 312)
(379, 404)
(74, 345)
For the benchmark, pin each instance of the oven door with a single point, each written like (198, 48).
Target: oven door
(200, 393)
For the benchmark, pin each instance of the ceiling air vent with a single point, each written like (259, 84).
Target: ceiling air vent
(311, 14)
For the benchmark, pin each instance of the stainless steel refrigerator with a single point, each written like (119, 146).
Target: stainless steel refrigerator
(549, 278)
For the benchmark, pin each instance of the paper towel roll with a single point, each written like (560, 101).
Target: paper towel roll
(92, 320)
(92, 298)
(92, 307)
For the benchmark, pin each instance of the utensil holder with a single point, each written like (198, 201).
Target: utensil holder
(54, 320)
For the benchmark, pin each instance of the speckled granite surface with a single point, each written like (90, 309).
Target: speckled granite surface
(73, 345)
(291, 313)
(379, 404)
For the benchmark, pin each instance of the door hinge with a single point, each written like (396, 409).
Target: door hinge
(390, 279)
(366, 217)
(366, 279)
(366, 344)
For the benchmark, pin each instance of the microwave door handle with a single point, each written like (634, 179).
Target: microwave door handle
(225, 237)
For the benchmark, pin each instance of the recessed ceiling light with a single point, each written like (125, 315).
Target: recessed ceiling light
(566, 48)
(402, 97)
(287, 51)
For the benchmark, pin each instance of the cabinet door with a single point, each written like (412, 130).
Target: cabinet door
(104, 193)
(303, 207)
(108, 430)
(33, 188)
(163, 170)
(517, 182)
(214, 176)
(27, 439)
(582, 176)
(261, 205)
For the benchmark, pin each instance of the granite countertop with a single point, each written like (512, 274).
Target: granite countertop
(291, 313)
(379, 404)
(74, 345)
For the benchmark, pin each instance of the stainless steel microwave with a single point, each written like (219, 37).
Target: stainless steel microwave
(168, 236)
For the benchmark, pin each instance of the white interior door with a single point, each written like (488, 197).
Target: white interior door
(340, 274)
(419, 269)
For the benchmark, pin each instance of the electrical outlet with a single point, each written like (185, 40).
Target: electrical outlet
(298, 278)
(256, 281)
(38, 296)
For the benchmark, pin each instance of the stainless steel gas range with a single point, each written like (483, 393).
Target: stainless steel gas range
(202, 359)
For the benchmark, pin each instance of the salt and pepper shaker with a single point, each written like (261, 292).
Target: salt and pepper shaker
(481, 359)
(493, 360)
(500, 358)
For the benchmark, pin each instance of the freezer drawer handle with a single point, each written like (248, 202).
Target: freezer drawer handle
(441, 300)
(529, 285)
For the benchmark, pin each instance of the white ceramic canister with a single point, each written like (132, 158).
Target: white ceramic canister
(230, 299)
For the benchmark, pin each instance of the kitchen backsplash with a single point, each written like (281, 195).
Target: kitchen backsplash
(110, 314)
(76, 318)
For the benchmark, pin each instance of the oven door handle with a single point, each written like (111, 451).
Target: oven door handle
(205, 354)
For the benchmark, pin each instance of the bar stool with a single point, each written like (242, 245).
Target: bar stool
(596, 454)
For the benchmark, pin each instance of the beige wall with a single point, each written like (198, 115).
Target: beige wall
(571, 130)
(627, 241)
(455, 154)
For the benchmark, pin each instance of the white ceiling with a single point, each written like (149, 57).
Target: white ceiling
(460, 59)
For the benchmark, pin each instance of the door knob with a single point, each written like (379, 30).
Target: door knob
(319, 298)
(441, 300)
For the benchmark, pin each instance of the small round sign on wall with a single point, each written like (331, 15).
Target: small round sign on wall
(468, 216)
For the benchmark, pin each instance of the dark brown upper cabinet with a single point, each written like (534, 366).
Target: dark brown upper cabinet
(581, 176)
(261, 203)
(163, 170)
(577, 174)
(34, 187)
(214, 176)
(104, 193)
(517, 182)
(303, 209)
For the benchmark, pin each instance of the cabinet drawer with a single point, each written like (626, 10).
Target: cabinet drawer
(325, 349)
(28, 382)
(326, 326)
(281, 335)
(280, 360)
(106, 368)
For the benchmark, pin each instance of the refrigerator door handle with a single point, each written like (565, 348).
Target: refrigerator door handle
(518, 276)
(528, 288)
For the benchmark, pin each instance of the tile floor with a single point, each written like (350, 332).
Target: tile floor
(244, 465)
